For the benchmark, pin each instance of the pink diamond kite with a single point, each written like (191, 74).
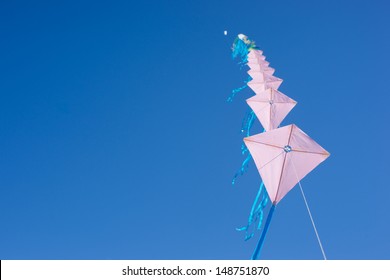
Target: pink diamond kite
(257, 63)
(256, 56)
(266, 70)
(271, 107)
(261, 67)
(255, 53)
(283, 157)
(263, 81)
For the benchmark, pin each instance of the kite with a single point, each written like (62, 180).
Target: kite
(283, 155)
(271, 107)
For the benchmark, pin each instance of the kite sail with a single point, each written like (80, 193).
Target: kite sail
(271, 107)
(283, 155)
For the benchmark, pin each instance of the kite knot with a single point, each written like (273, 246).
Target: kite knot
(287, 148)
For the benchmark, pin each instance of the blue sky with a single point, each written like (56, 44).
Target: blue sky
(117, 141)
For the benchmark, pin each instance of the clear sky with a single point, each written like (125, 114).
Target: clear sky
(116, 140)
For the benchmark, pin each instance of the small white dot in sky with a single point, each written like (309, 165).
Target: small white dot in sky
(225, 32)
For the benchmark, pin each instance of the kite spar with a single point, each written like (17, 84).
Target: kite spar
(283, 156)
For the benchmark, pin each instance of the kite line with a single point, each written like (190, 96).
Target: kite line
(311, 217)
(312, 221)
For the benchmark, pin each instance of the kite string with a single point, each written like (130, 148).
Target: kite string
(312, 221)
(311, 217)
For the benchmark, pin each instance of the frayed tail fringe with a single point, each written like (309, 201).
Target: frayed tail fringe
(257, 213)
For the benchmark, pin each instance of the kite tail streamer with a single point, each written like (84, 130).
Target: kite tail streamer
(237, 90)
(247, 122)
(241, 47)
(260, 208)
(240, 50)
(256, 214)
(246, 126)
(256, 253)
(242, 170)
(244, 149)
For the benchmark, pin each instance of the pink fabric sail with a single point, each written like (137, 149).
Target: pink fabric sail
(283, 157)
(261, 73)
(263, 81)
(261, 67)
(255, 55)
(257, 62)
(256, 52)
(271, 107)
(267, 70)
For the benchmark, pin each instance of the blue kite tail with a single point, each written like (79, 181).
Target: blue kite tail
(242, 170)
(256, 214)
(234, 92)
(259, 246)
(240, 50)
(247, 123)
(237, 90)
